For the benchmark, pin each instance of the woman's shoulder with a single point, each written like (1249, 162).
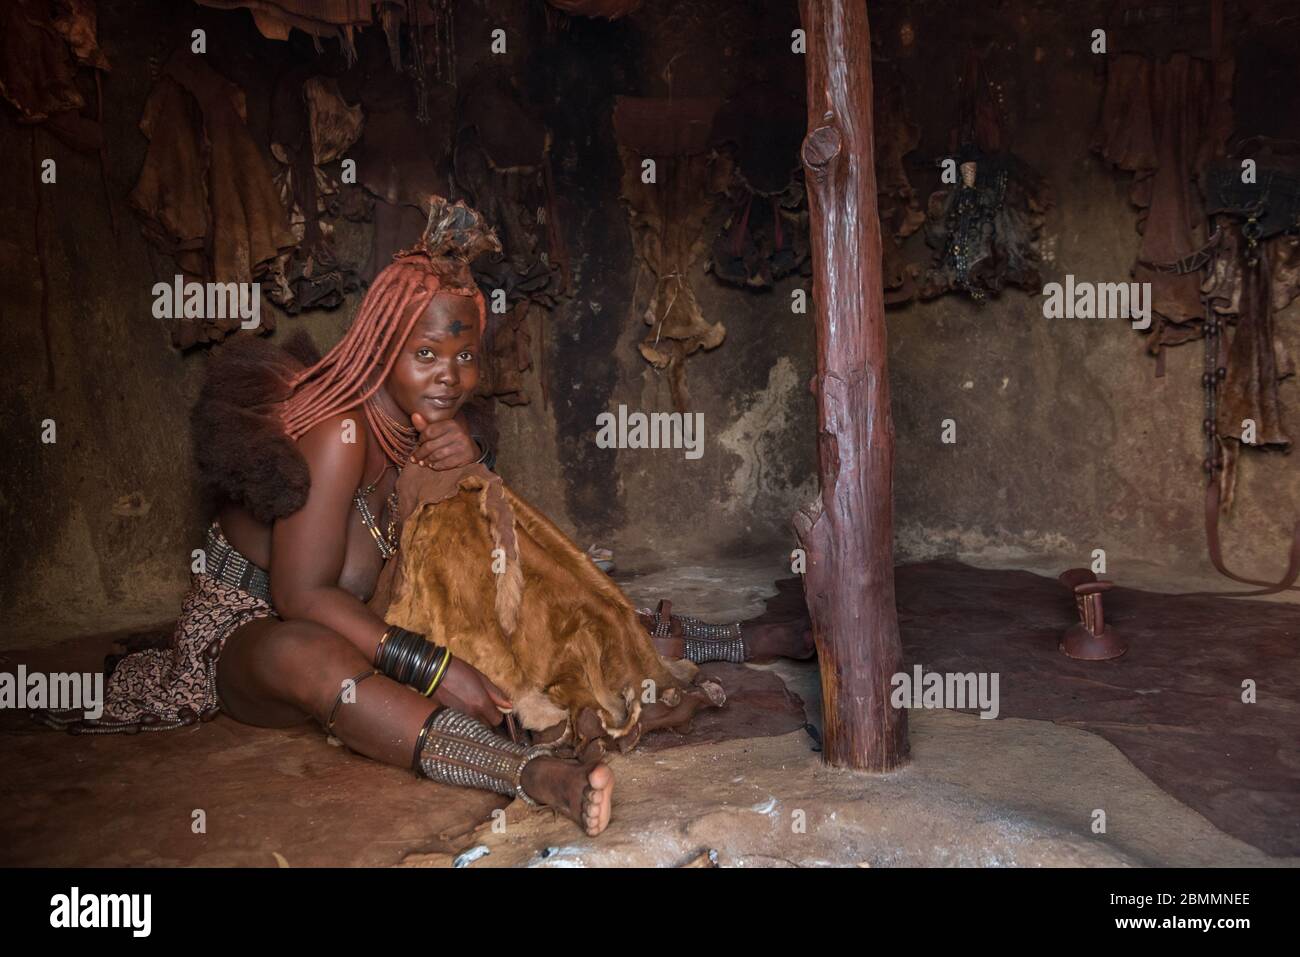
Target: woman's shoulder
(339, 440)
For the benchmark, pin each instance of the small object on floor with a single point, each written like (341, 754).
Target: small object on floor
(466, 858)
(815, 735)
(706, 858)
(602, 558)
(1091, 639)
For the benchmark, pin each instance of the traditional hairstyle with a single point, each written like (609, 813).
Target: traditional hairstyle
(353, 370)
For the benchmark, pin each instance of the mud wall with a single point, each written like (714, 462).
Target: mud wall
(1065, 439)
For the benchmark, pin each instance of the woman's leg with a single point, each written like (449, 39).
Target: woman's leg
(275, 674)
(761, 641)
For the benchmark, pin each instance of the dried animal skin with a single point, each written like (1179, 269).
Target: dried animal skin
(36, 73)
(552, 630)
(667, 219)
(204, 176)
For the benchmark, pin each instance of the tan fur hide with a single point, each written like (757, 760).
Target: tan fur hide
(483, 572)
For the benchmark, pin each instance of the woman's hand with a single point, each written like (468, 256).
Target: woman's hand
(467, 690)
(444, 445)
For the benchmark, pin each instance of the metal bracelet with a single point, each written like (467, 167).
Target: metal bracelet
(463, 751)
(702, 650)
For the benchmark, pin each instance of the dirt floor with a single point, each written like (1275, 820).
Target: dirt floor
(1010, 791)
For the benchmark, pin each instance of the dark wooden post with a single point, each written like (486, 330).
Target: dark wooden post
(848, 532)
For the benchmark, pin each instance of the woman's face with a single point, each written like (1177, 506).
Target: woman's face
(437, 367)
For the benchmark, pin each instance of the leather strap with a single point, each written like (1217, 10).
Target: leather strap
(1287, 582)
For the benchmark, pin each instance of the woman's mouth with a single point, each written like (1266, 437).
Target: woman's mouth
(443, 401)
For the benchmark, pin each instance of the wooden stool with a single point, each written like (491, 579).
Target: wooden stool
(1090, 639)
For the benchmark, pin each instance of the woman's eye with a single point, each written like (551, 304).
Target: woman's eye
(466, 357)
(425, 353)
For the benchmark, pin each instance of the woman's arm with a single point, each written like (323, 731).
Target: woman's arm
(308, 547)
(307, 553)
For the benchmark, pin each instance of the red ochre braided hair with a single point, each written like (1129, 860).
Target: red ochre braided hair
(352, 372)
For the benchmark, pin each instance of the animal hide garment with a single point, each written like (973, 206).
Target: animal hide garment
(311, 125)
(667, 219)
(1164, 121)
(76, 21)
(501, 163)
(483, 572)
(1257, 359)
(401, 163)
(986, 230)
(205, 191)
(241, 451)
(318, 18)
(895, 135)
(765, 236)
(37, 73)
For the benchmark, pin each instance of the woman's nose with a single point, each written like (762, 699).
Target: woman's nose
(446, 373)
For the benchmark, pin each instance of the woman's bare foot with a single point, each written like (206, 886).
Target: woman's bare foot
(778, 639)
(580, 790)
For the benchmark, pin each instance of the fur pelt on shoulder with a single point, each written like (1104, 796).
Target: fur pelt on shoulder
(243, 454)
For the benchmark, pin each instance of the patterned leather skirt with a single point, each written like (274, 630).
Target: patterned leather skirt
(163, 688)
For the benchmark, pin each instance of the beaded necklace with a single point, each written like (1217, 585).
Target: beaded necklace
(398, 442)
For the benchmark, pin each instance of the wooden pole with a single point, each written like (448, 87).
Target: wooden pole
(848, 531)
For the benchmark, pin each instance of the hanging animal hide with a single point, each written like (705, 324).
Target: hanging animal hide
(400, 163)
(985, 230)
(765, 235)
(764, 238)
(205, 191)
(895, 135)
(318, 18)
(311, 125)
(1257, 363)
(1164, 121)
(667, 219)
(510, 356)
(501, 163)
(37, 74)
(1247, 286)
(494, 579)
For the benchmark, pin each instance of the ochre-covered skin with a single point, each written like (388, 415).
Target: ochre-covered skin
(538, 618)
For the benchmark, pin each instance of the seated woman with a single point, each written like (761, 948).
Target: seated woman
(276, 628)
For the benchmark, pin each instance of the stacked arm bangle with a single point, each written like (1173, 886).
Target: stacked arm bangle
(411, 659)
